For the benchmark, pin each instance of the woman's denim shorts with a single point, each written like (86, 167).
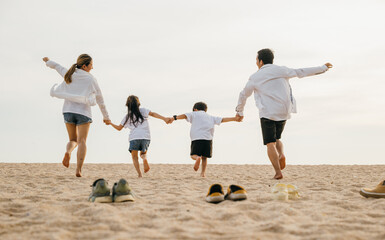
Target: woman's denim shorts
(139, 145)
(77, 119)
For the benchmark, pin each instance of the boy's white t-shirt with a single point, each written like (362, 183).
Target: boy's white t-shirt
(142, 130)
(202, 125)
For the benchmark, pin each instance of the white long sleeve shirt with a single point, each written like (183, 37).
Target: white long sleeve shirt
(82, 93)
(272, 91)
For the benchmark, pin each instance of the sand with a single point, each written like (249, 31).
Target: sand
(46, 201)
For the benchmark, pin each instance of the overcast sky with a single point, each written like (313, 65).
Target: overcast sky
(172, 54)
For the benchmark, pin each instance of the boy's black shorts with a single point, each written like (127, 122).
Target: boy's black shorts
(202, 148)
(271, 130)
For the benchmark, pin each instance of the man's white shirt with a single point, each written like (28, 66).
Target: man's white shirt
(272, 92)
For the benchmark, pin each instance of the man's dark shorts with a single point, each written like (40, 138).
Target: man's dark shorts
(271, 130)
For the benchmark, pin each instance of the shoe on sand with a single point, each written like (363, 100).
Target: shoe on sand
(377, 192)
(121, 192)
(292, 191)
(215, 194)
(236, 193)
(100, 192)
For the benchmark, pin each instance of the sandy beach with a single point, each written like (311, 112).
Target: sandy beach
(46, 201)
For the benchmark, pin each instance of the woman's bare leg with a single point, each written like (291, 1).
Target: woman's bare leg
(197, 161)
(82, 147)
(135, 160)
(204, 164)
(143, 155)
(71, 145)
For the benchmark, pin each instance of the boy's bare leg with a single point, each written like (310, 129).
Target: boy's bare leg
(282, 158)
(82, 147)
(71, 145)
(274, 159)
(197, 161)
(135, 160)
(204, 164)
(143, 156)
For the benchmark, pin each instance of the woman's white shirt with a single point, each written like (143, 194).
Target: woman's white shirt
(141, 130)
(82, 93)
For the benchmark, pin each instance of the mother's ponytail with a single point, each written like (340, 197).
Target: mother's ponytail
(68, 75)
(83, 59)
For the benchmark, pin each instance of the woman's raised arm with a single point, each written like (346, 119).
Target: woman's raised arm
(60, 69)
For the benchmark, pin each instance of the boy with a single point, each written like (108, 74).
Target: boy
(202, 132)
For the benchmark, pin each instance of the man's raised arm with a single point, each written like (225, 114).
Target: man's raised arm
(305, 72)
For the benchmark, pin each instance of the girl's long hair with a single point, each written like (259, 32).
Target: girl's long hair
(133, 113)
(83, 59)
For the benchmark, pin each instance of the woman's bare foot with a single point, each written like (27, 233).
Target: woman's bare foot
(140, 175)
(278, 176)
(203, 175)
(146, 166)
(78, 173)
(66, 160)
(282, 162)
(197, 163)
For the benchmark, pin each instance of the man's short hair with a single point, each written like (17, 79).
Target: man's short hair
(200, 106)
(266, 55)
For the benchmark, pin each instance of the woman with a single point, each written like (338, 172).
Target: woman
(80, 91)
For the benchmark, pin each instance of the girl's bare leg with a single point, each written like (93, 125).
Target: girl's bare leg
(143, 156)
(135, 160)
(71, 145)
(82, 147)
(197, 161)
(204, 165)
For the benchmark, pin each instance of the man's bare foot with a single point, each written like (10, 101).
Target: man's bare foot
(139, 176)
(66, 160)
(146, 166)
(197, 163)
(278, 176)
(282, 162)
(203, 175)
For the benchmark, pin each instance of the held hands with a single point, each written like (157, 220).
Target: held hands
(169, 120)
(238, 118)
(107, 122)
(45, 59)
(329, 65)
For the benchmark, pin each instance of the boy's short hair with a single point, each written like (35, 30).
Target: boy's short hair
(200, 106)
(266, 55)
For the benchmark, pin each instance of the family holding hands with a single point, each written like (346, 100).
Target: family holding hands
(270, 85)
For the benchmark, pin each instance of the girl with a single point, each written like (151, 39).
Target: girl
(137, 121)
(80, 91)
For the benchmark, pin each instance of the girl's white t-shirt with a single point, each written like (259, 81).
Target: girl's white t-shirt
(142, 130)
(202, 125)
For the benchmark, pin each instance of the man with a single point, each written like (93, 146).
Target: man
(274, 99)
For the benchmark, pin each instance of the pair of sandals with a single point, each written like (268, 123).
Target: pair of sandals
(234, 193)
(284, 192)
(121, 192)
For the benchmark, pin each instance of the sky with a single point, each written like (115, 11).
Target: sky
(173, 53)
